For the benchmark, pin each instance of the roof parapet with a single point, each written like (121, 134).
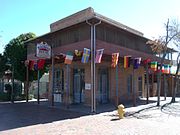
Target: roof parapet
(72, 19)
(84, 15)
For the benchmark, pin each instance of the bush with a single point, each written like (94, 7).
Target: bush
(4, 96)
(23, 97)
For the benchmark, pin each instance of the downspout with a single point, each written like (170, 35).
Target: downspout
(93, 66)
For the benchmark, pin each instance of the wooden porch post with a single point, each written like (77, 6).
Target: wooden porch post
(134, 90)
(117, 93)
(67, 85)
(147, 84)
(52, 78)
(27, 83)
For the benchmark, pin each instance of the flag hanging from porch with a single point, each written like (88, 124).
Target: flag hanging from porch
(99, 54)
(31, 65)
(146, 61)
(41, 63)
(127, 61)
(68, 58)
(154, 65)
(166, 69)
(115, 57)
(35, 65)
(137, 62)
(78, 53)
(86, 54)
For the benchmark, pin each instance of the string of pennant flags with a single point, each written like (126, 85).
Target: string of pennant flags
(153, 65)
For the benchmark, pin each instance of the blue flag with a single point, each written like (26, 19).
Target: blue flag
(86, 55)
(137, 62)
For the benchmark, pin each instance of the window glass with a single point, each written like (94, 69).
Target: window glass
(129, 84)
(58, 80)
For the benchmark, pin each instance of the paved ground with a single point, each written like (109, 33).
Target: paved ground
(32, 119)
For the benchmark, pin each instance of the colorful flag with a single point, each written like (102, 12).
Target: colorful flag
(162, 69)
(41, 63)
(127, 61)
(146, 61)
(115, 57)
(78, 53)
(31, 65)
(137, 62)
(68, 58)
(86, 55)
(154, 65)
(166, 69)
(99, 54)
(35, 65)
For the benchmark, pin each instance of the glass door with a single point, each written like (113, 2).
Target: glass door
(103, 86)
(78, 86)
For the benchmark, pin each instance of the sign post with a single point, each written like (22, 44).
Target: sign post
(43, 51)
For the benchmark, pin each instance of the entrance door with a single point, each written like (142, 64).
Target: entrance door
(78, 86)
(103, 86)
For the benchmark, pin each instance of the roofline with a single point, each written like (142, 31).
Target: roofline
(118, 24)
(89, 14)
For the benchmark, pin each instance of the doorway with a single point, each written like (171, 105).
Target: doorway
(103, 90)
(78, 86)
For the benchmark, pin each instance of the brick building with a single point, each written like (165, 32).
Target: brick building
(94, 83)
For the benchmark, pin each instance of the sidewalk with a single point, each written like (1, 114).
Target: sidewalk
(140, 120)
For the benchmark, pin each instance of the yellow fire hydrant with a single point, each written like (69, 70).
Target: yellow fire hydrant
(121, 111)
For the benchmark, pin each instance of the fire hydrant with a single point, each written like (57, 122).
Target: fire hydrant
(121, 111)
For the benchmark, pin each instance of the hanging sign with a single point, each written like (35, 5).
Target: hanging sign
(43, 50)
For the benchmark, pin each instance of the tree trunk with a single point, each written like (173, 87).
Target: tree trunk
(175, 81)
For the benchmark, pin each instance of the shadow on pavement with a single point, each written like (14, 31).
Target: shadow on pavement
(26, 114)
(171, 108)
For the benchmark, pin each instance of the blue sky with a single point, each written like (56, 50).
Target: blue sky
(21, 16)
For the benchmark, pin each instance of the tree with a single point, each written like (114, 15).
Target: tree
(160, 46)
(176, 29)
(15, 52)
(3, 66)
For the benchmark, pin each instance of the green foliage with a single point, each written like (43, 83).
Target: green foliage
(23, 97)
(16, 52)
(4, 96)
(3, 66)
(33, 73)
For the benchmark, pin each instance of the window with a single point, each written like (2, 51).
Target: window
(58, 80)
(129, 84)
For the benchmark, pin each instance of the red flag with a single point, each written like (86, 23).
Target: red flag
(146, 61)
(31, 64)
(41, 63)
(115, 57)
